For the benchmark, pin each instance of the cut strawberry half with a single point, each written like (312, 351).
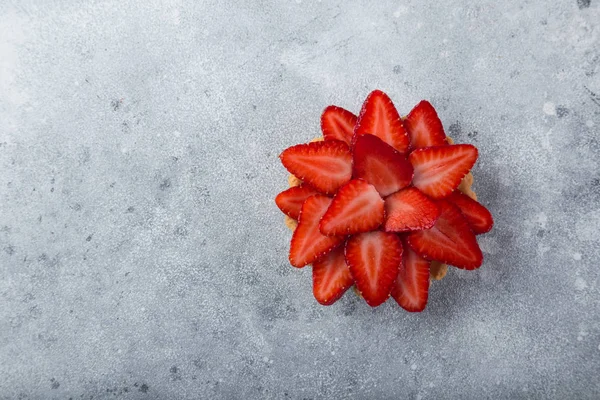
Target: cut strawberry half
(308, 243)
(424, 126)
(337, 124)
(374, 259)
(381, 165)
(331, 277)
(409, 210)
(439, 170)
(290, 201)
(379, 117)
(356, 207)
(479, 218)
(325, 165)
(411, 288)
(450, 240)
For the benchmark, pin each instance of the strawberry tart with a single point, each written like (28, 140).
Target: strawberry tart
(382, 203)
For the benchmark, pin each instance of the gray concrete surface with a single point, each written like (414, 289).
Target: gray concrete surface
(142, 255)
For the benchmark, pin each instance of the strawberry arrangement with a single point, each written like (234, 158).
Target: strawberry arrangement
(378, 204)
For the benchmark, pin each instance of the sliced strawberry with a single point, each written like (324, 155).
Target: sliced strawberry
(379, 117)
(424, 126)
(356, 207)
(290, 201)
(409, 210)
(331, 277)
(374, 259)
(337, 124)
(325, 165)
(439, 169)
(479, 218)
(381, 165)
(449, 241)
(308, 244)
(411, 288)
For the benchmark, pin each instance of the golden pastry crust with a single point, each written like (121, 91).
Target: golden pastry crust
(437, 270)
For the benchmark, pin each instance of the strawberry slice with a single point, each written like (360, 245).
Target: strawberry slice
(324, 165)
(449, 241)
(411, 288)
(381, 165)
(308, 244)
(424, 126)
(356, 207)
(337, 124)
(379, 117)
(439, 169)
(290, 201)
(331, 277)
(409, 210)
(374, 259)
(479, 218)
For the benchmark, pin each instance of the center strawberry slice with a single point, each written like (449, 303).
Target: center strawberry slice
(424, 127)
(357, 207)
(409, 210)
(411, 288)
(439, 169)
(450, 240)
(308, 243)
(337, 124)
(331, 277)
(381, 165)
(374, 259)
(379, 117)
(325, 165)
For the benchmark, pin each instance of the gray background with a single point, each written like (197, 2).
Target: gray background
(141, 252)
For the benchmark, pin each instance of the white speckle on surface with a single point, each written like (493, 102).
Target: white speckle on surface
(542, 219)
(549, 108)
(589, 123)
(413, 367)
(577, 256)
(400, 11)
(580, 283)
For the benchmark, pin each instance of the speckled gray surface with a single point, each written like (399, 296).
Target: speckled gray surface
(142, 255)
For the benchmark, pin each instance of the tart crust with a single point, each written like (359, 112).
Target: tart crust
(437, 270)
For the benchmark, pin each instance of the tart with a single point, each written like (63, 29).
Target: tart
(382, 203)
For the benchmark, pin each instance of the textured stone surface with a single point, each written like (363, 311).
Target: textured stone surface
(141, 252)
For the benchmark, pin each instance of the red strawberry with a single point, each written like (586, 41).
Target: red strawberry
(337, 124)
(439, 169)
(381, 165)
(379, 117)
(374, 259)
(356, 207)
(424, 127)
(479, 218)
(411, 288)
(409, 210)
(331, 277)
(290, 201)
(324, 165)
(308, 244)
(449, 241)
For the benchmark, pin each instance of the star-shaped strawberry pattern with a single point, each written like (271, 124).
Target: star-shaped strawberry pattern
(378, 203)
